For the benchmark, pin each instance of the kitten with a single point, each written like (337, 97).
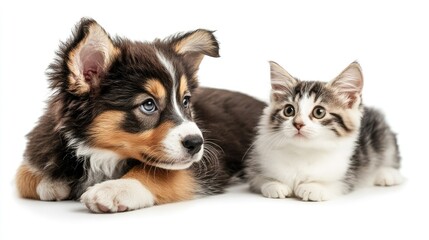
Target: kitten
(316, 140)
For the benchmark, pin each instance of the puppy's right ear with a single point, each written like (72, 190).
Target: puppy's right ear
(84, 59)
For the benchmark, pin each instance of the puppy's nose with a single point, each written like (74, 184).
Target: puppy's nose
(192, 143)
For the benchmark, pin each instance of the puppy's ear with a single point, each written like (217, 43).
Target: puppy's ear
(87, 57)
(194, 45)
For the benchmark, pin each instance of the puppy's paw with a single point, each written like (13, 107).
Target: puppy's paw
(316, 192)
(275, 190)
(51, 190)
(388, 177)
(117, 196)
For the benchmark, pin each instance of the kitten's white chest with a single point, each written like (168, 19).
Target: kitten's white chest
(293, 166)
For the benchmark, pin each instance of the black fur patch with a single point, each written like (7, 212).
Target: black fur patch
(339, 120)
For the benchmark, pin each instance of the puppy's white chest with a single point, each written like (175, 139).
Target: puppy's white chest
(101, 161)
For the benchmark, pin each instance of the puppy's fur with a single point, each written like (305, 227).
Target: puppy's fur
(119, 130)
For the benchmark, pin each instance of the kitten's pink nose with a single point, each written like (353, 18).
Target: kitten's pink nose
(298, 125)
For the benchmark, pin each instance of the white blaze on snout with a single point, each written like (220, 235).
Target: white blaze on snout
(177, 156)
(174, 149)
(172, 72)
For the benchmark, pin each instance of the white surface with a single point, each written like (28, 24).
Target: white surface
(311, 39)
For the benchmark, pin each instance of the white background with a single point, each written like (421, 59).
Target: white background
(311, 39)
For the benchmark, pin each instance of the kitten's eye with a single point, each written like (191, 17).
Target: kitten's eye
(186, 101)
(319, 112)
(148, 106)
(289, 111)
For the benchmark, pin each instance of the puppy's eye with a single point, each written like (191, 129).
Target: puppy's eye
(148, 106)
(186, 101)
(289, 111)
(319, 112)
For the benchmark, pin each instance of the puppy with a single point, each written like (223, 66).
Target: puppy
(120, 131)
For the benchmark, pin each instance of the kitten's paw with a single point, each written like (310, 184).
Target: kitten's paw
(51, 190)
(314, 192)
(117, 196)
(275, 190)
(388, 177)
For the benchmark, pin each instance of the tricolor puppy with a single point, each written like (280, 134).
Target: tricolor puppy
(119, 131)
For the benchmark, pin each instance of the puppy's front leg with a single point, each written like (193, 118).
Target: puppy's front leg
(142, 186)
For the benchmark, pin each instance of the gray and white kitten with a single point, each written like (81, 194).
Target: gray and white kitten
(316, 140)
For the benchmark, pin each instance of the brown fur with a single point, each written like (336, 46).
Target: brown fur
(166, 185)
(154, 87)
(183, 86)
(107, 134)
(27, 181)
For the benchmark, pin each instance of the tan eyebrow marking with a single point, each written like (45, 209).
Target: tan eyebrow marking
(155, 88)
(183, 88)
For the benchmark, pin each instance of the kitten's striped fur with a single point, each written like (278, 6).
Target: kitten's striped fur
(316, 140)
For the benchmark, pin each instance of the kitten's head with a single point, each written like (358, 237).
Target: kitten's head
(312, 110)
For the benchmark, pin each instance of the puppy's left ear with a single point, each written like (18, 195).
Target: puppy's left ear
(194, 45)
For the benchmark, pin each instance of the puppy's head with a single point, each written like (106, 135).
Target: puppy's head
(131, 98)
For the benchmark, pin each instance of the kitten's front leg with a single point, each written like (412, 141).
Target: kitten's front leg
(388, 176)
(270, 188)
(318, 191)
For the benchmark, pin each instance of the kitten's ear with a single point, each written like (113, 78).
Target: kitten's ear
(349, 83)
(193, 46)
(88, 56)
(281, 81)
